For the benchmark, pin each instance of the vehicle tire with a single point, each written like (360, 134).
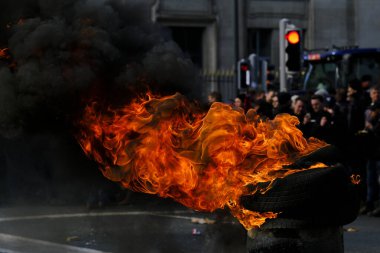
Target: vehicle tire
(323, 196)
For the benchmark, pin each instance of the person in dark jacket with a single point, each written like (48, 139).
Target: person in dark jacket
(299, 110)
(354, 144)
(355, 107)
(317, 123)
(213, 97)
(284, 102)
(372, 128)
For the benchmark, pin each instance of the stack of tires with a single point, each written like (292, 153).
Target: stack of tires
(313, 205)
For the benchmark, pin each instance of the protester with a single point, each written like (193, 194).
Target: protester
(318, 122)
(293, 101)
(212, 97)
(340, 117)
(238, 104)
(354, 143)
(355, 107)
(263, 105)
(372, 129)
(284, 102)
(299, 109)
(275, 106)
(366, 84)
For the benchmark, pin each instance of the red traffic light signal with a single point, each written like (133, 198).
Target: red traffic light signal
(244, 74)
(293, 37)
(244, 67)
(293, 50)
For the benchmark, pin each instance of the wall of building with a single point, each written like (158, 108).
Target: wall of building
(197, 13)
(325, 22)
(226, 33)
(234, 29)
(329, 23)
(367, 19)
(266, 14)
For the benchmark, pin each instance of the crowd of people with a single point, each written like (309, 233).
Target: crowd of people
(348, 118)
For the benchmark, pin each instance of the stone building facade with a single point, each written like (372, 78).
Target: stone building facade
(227, 30)
(217, 33)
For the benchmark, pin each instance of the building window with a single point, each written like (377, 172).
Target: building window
(189, 40)
(259, 42)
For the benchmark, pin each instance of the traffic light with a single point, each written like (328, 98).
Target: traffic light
(293, 49)
(244, 74)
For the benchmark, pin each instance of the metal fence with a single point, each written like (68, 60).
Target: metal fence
(223, 81)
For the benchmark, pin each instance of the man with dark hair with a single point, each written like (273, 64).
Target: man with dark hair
(317, 122)
(298, 109)
(264, 105)
(213, 96)
(366, 81)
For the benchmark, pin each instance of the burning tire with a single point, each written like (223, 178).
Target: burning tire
(323, 196)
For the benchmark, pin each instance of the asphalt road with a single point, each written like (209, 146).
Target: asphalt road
(144, 227)
(147, 227)
(363, 235)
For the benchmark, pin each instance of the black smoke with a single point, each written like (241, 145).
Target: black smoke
(69, 51)
(64, 54)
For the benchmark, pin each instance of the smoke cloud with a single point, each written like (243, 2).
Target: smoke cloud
(69, 51)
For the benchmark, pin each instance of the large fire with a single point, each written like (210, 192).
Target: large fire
(204, 161)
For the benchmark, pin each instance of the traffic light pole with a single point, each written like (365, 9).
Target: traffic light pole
(282, 25)
(253, 59)
(264, 69)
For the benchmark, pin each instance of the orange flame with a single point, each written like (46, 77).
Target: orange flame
(4, 53)
(355, 179)
(160, 146)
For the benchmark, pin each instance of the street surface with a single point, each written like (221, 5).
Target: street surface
(364, 236)
(154, 225)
